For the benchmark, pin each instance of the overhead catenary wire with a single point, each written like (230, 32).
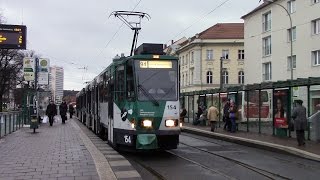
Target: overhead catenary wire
(116, 33)
(198, 19)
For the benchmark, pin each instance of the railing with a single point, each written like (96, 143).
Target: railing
(10, 122)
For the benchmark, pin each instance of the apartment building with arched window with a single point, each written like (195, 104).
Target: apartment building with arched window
(199, 58)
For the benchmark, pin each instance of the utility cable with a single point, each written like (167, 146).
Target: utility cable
(118, 30)
(199, 19)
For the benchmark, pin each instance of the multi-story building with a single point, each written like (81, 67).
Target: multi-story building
(268, 37)
(56, 83)
(200, 56)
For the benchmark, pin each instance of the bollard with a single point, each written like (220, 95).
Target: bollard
(10, 123)
(34, 123)
(5, 124)
(1, 121)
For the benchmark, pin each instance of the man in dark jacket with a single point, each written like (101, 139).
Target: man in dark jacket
(71, 110)
(183, 114)
(51, 111)
(63, 111)
(300, 121)
(226, 118)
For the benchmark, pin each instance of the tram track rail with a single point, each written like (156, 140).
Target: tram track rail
(153, 171)
(148, 168)
(265, 173)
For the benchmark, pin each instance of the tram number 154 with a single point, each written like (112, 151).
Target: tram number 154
(171, 107)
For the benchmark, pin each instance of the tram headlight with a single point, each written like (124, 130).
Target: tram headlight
(171, 123)
(147, 123)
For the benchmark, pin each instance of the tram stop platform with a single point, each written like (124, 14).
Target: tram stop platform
(62, 152)
(263, 141)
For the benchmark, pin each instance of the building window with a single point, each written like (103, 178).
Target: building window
(293, 62)
(192, 57)
(267, 71)
(240, 54)
(209, 54)
(186, 80)
(182, 81)
(209, 77)
(187, 59)
(315, 1)
(225, 54)
(316, 57)
(266, 21)
(225, 77)
(292, 6)
(315, 26)
(266, 43)
(241, 77)
(191, 77)
(292, 34)
(182, 60)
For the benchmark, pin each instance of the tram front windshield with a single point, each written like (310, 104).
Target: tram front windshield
(156, 80)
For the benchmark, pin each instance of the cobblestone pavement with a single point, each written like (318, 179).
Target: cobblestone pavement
(55, 152)
(121, 167)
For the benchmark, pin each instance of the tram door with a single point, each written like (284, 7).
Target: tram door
(110, 128)
(110, 112)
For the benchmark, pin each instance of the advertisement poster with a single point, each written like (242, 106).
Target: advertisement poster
(280, 106)
(28, 69)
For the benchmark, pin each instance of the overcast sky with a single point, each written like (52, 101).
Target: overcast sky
(79, 33)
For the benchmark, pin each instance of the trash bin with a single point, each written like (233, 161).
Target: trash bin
(281, 132)
(34, 124)
(314, 121)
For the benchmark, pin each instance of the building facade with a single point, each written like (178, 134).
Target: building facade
(200, 57)
(56, 83)
(268, 37)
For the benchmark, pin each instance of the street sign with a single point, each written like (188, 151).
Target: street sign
(13, 36)
(28, 69)
(43, 71)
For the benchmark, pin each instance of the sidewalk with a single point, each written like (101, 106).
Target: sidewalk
(263, 141)
(58, 152)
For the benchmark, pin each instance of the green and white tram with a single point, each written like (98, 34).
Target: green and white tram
(134, 102)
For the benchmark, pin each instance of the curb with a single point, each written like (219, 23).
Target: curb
(254, 143)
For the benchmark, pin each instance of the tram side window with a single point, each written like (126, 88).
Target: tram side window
(130, 82)
(119, 83)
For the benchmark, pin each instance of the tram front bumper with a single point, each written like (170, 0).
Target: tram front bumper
(147, 141)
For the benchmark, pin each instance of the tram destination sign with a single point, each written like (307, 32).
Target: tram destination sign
(156, 64)
(13, 36)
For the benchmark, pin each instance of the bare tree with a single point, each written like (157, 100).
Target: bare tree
(11, 64)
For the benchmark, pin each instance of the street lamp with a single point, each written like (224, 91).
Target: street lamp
(221, 81)
(291, 30)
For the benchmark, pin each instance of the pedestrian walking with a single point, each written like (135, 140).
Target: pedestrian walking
(299, 115)
(183, 114)
(233, 115)
(212, 116)
(51, 111)
(226, 119)
(71, 110)
(63, 108)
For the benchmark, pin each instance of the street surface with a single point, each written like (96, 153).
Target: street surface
(205, 158)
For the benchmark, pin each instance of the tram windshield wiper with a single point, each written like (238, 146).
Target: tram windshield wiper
(148, 95)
